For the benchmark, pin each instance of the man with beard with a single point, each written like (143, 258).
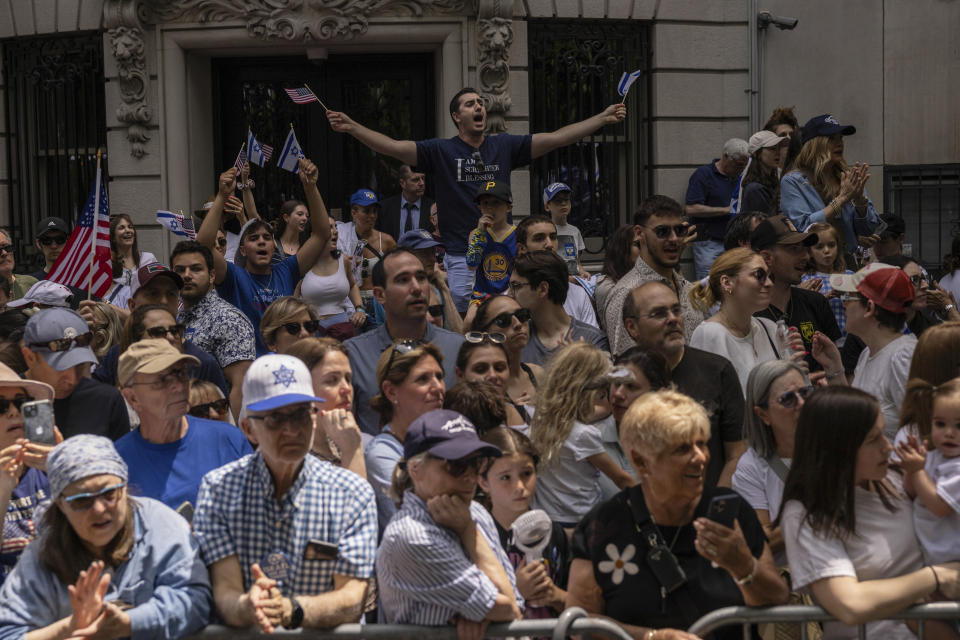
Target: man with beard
(214, 325)
(653, 317)
(459, 164)
(400, 284)
(253, 287)
(660, 231)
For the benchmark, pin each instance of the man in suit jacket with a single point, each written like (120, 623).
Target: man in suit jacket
(410, 209)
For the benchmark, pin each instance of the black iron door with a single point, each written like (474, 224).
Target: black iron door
(392, 94)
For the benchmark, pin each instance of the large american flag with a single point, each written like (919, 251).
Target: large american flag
(72, 268)
(302, 95)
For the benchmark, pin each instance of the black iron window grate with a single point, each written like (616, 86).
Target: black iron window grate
(927, 197)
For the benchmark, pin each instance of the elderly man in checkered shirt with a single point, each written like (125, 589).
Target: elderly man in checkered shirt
(289, 539)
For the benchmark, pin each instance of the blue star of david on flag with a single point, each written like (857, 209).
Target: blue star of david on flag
(284, 376)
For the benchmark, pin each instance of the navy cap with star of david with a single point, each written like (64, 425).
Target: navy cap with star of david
(276, 380)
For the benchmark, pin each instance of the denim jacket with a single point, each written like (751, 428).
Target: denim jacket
(800, 202)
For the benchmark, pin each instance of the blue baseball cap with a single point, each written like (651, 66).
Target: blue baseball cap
(445, 434)
(276, 380)
(552, 190)
(364, 198)
(418, 239)
(825, 125)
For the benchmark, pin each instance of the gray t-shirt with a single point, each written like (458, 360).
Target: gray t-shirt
(567, 487)
(536, 353)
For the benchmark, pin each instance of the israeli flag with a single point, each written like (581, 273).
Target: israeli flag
(290, 155)
(257, 153)
(626, 80)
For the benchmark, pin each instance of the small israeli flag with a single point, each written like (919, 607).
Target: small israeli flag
(257, 153)
(290, 155)
(626, 80)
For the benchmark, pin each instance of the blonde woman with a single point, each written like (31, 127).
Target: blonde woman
(107, 328)
(287, 320)
(572, 399)
(822, 188)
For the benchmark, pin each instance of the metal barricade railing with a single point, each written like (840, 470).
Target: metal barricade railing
(747, 616)
(571, 621)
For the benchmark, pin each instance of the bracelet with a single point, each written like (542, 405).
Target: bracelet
(935, 577)
(835, 374)
(750, 576)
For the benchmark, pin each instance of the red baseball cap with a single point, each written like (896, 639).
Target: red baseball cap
(887, 286)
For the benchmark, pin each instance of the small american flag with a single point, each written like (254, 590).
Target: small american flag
(72, 268)
(302, 95)
(177, 223)
(257, 153)
(241, 159)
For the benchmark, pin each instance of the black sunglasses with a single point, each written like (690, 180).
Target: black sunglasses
(49, 240)
(662, 231)
(293, 328)
(203, 410)
(436, 310)
(505, 319)
(175, 330)
(17, 401)
(457, 468)
(65, 344)
(7, 248)
(402, 347)
(790, 399)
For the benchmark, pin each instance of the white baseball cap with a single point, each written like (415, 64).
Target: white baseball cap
(45, 292)
(276, 380)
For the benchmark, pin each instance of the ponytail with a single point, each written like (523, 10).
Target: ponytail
(702, 296)
(918, 399)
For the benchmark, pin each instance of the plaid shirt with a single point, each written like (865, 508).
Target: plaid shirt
(238, 515)
(220, 329)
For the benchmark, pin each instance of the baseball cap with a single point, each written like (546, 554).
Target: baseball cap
(895, 226)
(150, 355)
(51, 224)
(418, 239)
(445, 434)
(825, 125)
(49, 325)
(887, 286)
(762, 140)
(145, 274)
(496, 188)
(364, 198)
(553, 189)
(50, 294)
(276, 380)
(36, 390)
(778, 230)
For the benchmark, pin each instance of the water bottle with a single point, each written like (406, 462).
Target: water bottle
(783, 340)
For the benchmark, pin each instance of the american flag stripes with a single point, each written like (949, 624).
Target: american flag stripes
(257, 153)
(73, 267)
(177, 223)
(241, 159)
(302, 95)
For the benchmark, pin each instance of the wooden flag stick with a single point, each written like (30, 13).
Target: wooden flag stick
(94, 229)
(318, 97)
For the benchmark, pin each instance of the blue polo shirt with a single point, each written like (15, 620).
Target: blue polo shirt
(709, 187)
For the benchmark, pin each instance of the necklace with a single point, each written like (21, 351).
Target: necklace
(662, 537)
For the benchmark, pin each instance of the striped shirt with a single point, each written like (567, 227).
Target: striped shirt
(237, 514)
(424, 575)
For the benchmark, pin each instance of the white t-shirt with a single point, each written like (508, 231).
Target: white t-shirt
(760, 486)
(569, 245)
(744, 353)
(938, 535)
(885, 546)
(885, 375)
(567, 488)
(579, 305)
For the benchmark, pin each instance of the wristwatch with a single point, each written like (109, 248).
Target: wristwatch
(296, 616)
(948, 308)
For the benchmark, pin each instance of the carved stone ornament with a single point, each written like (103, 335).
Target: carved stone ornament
(494, 37)
(126, 41)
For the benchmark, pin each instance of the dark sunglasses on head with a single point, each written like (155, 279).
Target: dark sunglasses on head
(46, 241)
(505, 319)
(175, 330)
(662, 231)
(436, 310)
(479, 337)
(790, 399)
(65, 344)
(203, 410)
(402, 347)
(293, 328)
(17, 402)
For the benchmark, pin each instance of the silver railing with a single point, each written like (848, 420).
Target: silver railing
(746, 616)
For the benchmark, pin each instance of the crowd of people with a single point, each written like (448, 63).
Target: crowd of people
(433, 413)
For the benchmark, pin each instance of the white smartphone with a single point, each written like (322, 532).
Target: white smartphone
(38, 421)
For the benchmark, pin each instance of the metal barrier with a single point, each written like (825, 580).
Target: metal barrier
(572, 621)
(747, 616)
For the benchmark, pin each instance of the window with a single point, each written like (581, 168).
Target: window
(927, 197)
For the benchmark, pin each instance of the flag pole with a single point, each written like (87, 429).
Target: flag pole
(93, 235)
(318, 98)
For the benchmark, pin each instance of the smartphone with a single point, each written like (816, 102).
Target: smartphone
(38, 421)
(723, 509)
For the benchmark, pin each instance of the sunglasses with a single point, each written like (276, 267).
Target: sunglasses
(167, 380)
(83, 501)
(505, 319)
(457, 468)
(662, 231)
(7, 248)
(203, 410)
(46, 241)
(402, 347)
(851, 297)
(175, 330)
(293, 328)
(436, 310)
(65, 344)
(300, 417)
(761, 275)
(790, 399)
(479, 337)
(17, 401)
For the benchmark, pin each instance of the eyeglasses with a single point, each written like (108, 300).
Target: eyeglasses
(46, 241)
(293, 328)
(300, 417)
(7, 248)
(850, 297)
(402, 347)
(65, 344)
(17, 401)
(790, 399)
(83, 501)
(479, 337)
(457, 468)
(662, 313)
(761, 275)
(167, 380)
(203, 410)
(505, 319)
(436, 310)
(917, 280)
(175, 330)
(516, 284)
(662, 231)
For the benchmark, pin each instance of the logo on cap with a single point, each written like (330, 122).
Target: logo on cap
(155, 267)
(425, 234)
(368, 195)
(70, 332)
(284, 376)
(831, 120)
(489, 185)
(457, 425)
